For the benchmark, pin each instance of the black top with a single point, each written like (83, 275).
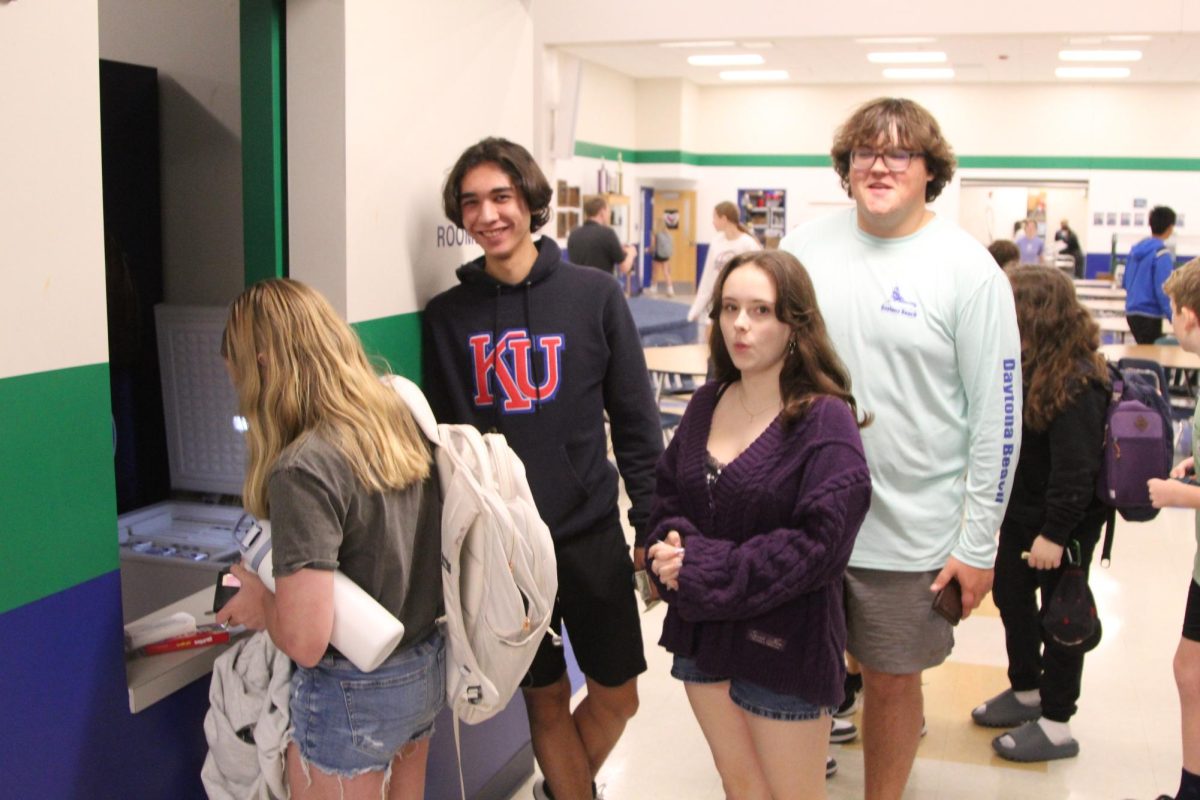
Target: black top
(569, 353)
(1054, 489)
(595, 245)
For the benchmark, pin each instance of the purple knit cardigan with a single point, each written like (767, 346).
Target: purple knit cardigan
(760, 591)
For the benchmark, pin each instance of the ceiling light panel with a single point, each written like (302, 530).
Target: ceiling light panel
(913, 57)
(1100, 55)
(727, 60)
(691, 45)
(918, 73)
(1092, 72)
(754, 75)
(896, 40)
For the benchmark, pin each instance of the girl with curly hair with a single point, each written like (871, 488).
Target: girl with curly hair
(1053, 510)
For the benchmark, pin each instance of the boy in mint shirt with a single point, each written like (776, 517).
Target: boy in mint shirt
(1183, 289)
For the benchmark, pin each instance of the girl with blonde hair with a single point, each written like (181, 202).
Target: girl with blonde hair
(338, 465)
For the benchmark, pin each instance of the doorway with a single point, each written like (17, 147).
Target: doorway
(674, 212)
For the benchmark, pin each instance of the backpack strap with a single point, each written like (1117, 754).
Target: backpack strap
(418, 406)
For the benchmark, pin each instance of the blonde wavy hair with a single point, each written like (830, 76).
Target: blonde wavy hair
(298, 368)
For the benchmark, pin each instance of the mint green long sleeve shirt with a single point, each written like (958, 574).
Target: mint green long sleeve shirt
(927, 329)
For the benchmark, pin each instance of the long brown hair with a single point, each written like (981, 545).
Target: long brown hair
(298, 368)
(811, 367)
(1059, 343)
(729, 212)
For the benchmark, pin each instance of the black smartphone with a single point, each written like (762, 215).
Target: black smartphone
(948, 602)
(227, 587)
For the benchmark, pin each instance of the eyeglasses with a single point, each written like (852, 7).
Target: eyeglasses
(894, 160)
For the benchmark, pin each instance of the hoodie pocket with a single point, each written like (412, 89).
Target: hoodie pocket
(555, 484)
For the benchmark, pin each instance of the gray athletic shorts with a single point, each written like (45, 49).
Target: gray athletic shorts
(891, 624)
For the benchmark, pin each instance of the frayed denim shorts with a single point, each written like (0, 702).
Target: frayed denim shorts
(348, 722)
(755, 699)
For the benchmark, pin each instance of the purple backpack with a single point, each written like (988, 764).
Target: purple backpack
(1138, 446)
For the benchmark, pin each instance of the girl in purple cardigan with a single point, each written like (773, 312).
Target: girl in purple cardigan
(759, 498)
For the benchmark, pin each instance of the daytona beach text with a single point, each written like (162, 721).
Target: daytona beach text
(1010, 423)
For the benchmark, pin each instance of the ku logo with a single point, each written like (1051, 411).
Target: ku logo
(511, 362)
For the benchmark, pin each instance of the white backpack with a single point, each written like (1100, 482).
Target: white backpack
(499, 574)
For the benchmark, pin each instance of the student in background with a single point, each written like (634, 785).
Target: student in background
(1030, 244)
(531, 347)
(760, 495)
(595, 244)
(733, 238)
(1071, 246)
(925, 325)
(1054, 508)
(1006, 254)
(1183, 289)
(662, 249)
(338, 464)
(1150, 263)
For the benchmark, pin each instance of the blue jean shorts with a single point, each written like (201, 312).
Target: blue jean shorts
(757, 700)
(347, 722)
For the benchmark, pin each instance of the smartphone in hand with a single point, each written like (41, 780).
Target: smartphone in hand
(227, 587)
(948, 602)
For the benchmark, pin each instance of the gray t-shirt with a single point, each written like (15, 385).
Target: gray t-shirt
(389, 543)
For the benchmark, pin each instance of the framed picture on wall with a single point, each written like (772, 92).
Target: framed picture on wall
(1179, 220)
(1110, 218)
(1139, 219)
(1139, 202)
(1098, 218)
(1126, 218)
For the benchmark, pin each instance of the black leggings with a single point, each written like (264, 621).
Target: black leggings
(1055, 672)
(1145, 330)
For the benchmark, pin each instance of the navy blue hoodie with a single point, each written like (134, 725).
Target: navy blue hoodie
(541, 362)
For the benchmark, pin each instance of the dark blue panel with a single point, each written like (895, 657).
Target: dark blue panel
(1097, 263)
(647, 234)
(67, 729)
(701, 257)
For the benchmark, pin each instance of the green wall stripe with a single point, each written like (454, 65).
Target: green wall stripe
(396, 340)
(264, 139)
(57, 488)
(591, 150)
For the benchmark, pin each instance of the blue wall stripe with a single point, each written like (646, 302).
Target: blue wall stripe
(67, 729)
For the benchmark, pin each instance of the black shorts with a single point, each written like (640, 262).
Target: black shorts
(596, 602)
(1191, 614)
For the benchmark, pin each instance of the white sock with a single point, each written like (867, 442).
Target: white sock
(1029, 698)
(1057, 732)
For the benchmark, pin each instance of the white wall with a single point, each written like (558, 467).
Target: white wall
(52, 312)
(195, 46)
(420, 84)
(607, 107)
(978, 119)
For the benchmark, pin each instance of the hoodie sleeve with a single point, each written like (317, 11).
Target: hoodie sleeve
(1164, 262)
(632, 413)
(723, 580)
(988, 347)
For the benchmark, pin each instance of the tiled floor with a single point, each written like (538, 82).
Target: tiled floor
(1127, 725)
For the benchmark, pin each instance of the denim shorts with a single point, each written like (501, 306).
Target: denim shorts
(347, 722)
(757, 700)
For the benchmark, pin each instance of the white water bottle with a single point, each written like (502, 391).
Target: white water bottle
(363, 631)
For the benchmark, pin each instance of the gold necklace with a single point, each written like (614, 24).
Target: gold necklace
(749, 413)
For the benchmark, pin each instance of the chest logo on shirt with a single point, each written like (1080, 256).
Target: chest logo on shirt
(895, 303)
(510, 367)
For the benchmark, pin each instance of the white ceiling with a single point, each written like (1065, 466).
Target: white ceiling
(976, 58)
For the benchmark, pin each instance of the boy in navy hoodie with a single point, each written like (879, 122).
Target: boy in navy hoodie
(1149, 265)
(540, 350)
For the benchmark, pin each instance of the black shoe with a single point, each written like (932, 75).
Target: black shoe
(853, 688)
(830, 766)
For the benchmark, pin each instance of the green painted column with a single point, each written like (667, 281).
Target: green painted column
(264, 139)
